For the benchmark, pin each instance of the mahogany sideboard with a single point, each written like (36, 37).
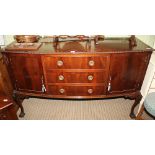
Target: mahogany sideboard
(79, 70)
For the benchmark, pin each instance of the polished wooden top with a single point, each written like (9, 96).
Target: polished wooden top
(5, 102)
(108, 45)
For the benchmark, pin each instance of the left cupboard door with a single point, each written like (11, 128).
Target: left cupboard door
(26, 72)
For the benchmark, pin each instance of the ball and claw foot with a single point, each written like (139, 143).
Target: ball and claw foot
(132, 115)
(22, 114)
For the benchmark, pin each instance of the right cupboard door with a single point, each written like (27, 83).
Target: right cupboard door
(127, 71)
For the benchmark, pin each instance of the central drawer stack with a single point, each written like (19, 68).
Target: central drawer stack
(76, 74)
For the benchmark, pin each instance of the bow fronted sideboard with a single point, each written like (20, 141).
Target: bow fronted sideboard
(78, 69)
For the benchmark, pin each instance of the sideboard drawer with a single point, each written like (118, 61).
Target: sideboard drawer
(76, 77)
(75, 90)
(75, 62)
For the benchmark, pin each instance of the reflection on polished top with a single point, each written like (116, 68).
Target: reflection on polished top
(73, 46)
(88, 45)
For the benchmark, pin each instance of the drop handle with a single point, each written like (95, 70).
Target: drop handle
(61, 90)
(90, 91)
(90, 77)
(91, 63)
(59, 63)
(61, 77)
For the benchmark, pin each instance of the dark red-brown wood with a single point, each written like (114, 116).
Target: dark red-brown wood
(127, 71)
(80, 70)
(72, 61)
(5, 83)
(8, 109)
(76, 90)
(26, 72)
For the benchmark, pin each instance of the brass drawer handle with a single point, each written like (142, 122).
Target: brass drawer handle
(61, 90)
(90, 77)
(59, 63)
(90, 91)
(61, 77)
(91, 63)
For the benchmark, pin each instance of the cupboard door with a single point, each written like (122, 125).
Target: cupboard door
(27, 72)
(5, 83)
(127, 71)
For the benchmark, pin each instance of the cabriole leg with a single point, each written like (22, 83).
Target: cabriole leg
(19, 99)
(137, 101)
